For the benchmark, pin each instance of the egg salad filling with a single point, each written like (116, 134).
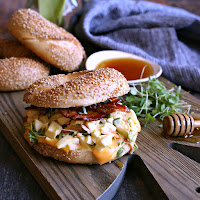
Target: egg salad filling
(109, 137)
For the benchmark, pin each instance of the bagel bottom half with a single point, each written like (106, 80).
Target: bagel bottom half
(71, 156)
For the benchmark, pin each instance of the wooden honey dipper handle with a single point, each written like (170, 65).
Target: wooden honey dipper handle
(179, 124)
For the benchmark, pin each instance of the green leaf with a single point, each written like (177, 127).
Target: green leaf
(133, 91)
(30, 3)
(52, 9)
(162, 107)
(149, 118)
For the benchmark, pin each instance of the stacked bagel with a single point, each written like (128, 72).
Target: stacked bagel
(43, 41)
(19, 67)
(75, 118)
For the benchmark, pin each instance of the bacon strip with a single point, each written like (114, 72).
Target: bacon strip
(73, 113)
(96, 111)
(111, 107)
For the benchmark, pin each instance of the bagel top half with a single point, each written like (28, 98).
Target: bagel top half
(48, 41)
(77, 89)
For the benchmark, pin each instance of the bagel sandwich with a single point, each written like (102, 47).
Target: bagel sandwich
(79, 117)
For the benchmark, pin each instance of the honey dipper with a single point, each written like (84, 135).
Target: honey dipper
(179, 124)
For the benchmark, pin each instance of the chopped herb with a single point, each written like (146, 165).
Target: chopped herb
(103, 121)
(61, 135)
(152, 99)
(134, 148)
(51, 111)
(108, 115)
(32, 138)
(108, 100)
(120, 152)
(130, 136)
(84, 111)
(84, 133)
(117, 121)
(34, 135)
(121, 143)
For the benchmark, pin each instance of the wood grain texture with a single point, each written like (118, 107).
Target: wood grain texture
(177, 174)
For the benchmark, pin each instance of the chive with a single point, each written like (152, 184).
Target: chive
(32, 138)
(120, 152)
(121, 143)
(108, 100)
(34, 135)
(52, 111)
(130, 136)
(84, 133)
(116, 121)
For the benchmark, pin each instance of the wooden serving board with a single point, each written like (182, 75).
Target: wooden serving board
(177, 174)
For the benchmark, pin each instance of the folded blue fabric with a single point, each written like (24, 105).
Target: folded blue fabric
(166, 35)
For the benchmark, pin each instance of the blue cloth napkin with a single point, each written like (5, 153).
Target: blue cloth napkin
(166, 35)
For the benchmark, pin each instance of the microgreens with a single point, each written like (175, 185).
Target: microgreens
(152, 99)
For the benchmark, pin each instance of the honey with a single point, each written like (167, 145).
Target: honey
(119, 164)
(192, 138)
(129, 67)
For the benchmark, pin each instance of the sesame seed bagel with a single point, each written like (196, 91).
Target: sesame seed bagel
(48, 41)
(72, 156)
(19, 73)
(77, 89)
(11, 48)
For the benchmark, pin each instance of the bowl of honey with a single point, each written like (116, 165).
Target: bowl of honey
(135, 68)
